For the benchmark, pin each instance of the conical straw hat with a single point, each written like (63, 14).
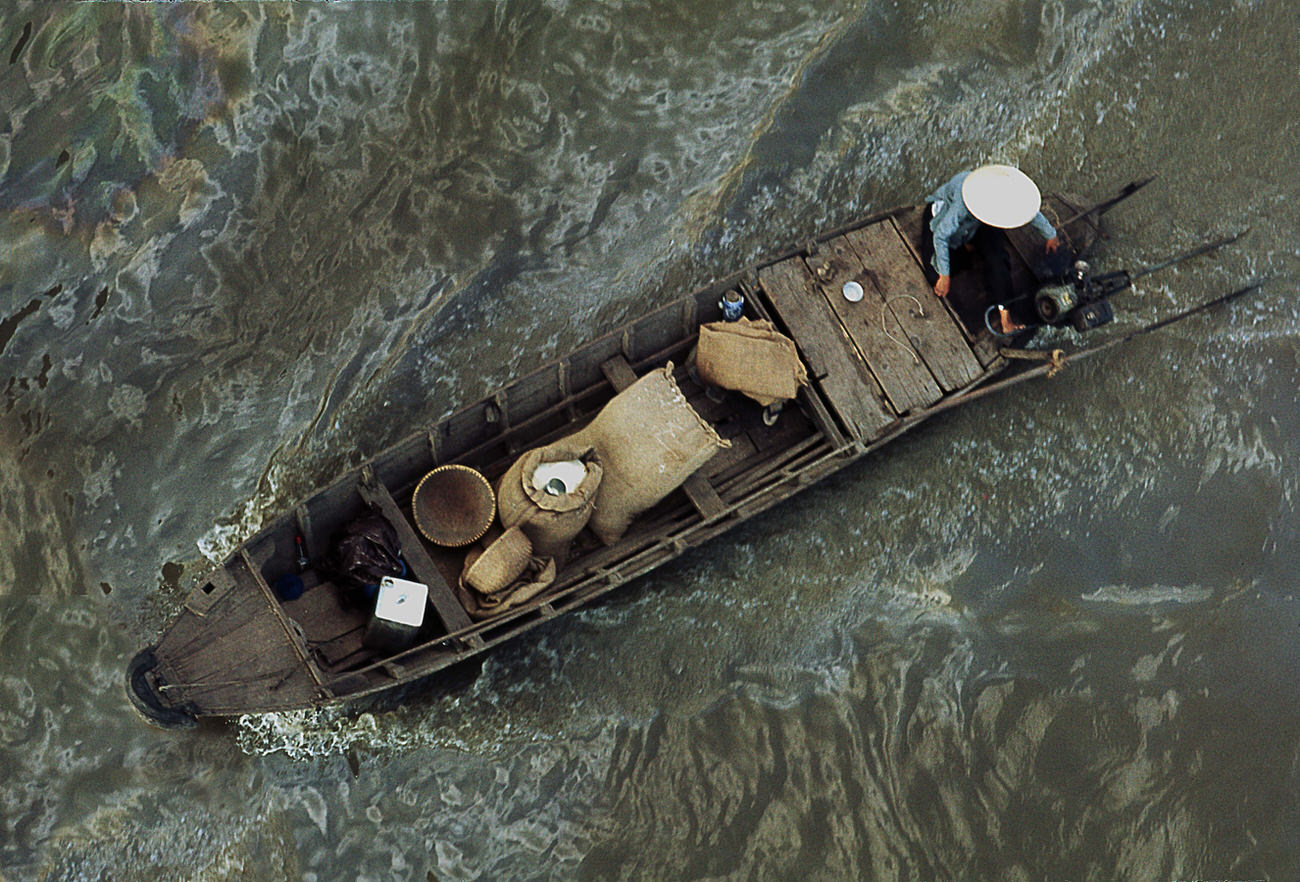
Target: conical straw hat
(1001, 196)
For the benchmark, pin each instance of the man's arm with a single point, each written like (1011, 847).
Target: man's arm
(1048, 232)
(942, 236)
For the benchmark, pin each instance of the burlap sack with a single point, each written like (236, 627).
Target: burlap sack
(550, 522)
(650, 440)
(537, 576)
(499, 564)
(750, 357)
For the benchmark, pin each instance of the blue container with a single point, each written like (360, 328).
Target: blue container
(289, 586)
(732, 305)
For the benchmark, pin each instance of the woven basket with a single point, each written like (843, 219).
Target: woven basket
(500, 564)
(453, 505)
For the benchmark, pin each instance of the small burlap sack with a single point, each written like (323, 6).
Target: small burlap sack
(537, 576)
(499, 564)
(650, 440)
(550, 522)
(750, 357)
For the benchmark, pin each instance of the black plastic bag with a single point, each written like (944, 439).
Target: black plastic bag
(362, 553)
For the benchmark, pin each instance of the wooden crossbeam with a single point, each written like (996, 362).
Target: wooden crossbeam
(444, 602)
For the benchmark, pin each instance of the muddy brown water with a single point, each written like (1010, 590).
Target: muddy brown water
(1052, 637)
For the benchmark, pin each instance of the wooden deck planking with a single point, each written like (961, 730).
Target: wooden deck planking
(911, 226)
(831, 355)
(294, 636)
(323, 615)
(880, 340)
(237, 652)
(928, 325)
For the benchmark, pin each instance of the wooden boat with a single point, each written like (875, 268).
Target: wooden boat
(877, 368)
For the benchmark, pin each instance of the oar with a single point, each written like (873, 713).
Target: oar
(1188, 255)
(1108, 204)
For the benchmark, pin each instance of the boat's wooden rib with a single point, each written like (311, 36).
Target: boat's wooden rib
(877, 368)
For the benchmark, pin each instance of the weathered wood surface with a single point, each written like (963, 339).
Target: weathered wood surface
(881, 342)
(927, 324)
(444, 602)
(618, 372)
(295, 640)
(333, 629)
(237, 657)
(827, 348)
(965, 295)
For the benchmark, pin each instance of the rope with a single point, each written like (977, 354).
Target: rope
(884, 311)
(1056, 357)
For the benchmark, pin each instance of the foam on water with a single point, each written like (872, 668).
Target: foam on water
(1149, 595)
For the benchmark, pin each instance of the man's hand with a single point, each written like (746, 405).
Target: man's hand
(1053, 244)
(941, 286)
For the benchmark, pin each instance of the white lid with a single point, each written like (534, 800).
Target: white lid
(1001, 196)
(852, 291)
(401, 601)
(572, 472)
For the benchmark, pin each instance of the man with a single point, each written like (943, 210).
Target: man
(973, 209)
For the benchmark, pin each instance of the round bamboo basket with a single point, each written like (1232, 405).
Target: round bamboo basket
(453, 505)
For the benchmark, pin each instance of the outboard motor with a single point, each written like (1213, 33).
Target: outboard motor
(1080, 301)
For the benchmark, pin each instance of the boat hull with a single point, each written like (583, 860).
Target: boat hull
(877, 368)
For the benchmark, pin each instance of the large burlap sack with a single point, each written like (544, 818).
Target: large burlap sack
(538, 575)
(650, 440)
(750, 357)
(499, 564)
(550, 522)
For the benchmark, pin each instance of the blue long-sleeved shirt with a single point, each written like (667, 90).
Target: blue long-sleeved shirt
(952, 224)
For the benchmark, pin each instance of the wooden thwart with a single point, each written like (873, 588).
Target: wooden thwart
(618, 372)
(444, 602)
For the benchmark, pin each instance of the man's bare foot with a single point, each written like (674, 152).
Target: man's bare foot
(1009, 325)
